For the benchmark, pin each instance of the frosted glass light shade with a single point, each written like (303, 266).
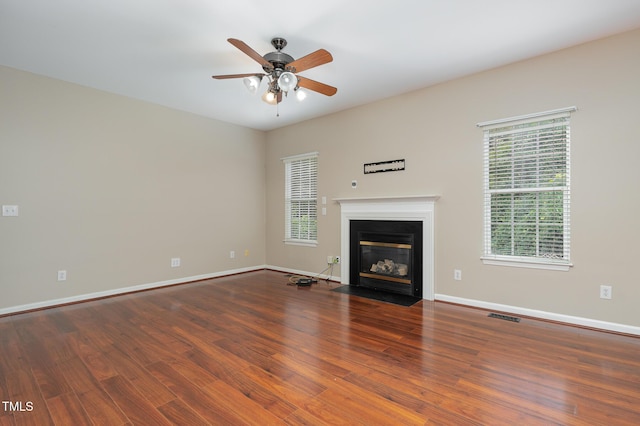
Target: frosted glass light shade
(252, 83)
(287, 81)
(270, 98)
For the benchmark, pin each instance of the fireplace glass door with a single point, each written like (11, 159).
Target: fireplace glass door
(389, 261)
(387, 256)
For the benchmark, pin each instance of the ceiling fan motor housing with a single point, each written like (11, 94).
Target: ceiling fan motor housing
(278, 60)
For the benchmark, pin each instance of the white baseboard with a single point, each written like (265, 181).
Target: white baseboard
(123, 290)
(580, 321)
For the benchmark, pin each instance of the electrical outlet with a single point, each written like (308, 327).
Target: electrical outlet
(333, 260)
(9, 210)
(175, 262)
(62, 275)
(232, 254)
(336, 260)
(605, 291)
(457, 274)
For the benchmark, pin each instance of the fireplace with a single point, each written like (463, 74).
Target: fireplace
(405, 211)
(386, 255)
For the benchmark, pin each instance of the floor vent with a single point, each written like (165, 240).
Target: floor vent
(504, 317)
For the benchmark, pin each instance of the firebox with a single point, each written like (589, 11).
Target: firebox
(386, 255)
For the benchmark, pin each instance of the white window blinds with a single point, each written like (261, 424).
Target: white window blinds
(301, 220)
(527, 171)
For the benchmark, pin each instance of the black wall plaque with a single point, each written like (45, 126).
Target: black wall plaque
(384, 166)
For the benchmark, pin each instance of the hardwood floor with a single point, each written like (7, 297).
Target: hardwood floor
(249, 349)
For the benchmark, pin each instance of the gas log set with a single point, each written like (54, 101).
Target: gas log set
(389, 267)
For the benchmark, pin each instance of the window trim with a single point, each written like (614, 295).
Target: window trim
(524, 261)
(287, 238)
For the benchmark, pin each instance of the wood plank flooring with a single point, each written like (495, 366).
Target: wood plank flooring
(249, 349)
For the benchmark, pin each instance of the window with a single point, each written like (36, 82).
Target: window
(527, 190)
(300, 199)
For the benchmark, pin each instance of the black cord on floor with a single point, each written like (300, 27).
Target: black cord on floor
(293, 279)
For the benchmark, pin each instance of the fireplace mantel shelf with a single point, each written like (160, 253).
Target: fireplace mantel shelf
(395, 198)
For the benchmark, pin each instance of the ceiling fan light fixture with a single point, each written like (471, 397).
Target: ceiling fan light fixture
(287, 81)
(252, 83)
(270, 97)
(301, 95)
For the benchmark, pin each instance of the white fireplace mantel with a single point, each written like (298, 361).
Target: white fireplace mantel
(413, 207)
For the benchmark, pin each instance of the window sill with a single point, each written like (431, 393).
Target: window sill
(304, 243)
(526, 263)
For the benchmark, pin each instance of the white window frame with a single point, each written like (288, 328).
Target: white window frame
(513, 125)
(301, 187)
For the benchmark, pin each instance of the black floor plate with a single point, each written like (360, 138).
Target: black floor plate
(383, 296)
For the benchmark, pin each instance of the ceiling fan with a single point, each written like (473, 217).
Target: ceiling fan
(280, 70)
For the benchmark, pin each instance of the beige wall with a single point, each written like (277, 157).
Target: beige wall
(435, 131)
(110, 189)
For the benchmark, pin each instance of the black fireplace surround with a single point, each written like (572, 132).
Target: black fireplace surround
(386, 255)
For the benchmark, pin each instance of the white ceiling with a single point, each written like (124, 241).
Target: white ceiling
(165, 51)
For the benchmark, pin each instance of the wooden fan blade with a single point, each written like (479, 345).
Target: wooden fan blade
(222, 77)
(244, 47)
(316, 86)
(319, 57)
